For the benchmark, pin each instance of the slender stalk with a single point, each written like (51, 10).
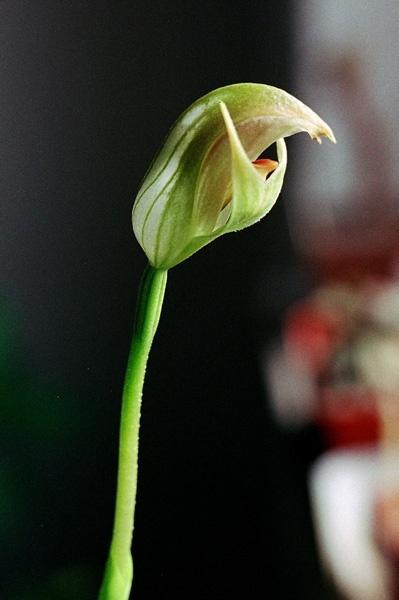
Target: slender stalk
(118, 574)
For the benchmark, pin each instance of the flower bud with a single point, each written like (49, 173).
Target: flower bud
(206, 180)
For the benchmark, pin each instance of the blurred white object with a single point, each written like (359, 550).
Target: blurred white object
(325, 32)
(377, 361)
(343, 488)
(346, 52)
(384, 305)
(291, 387)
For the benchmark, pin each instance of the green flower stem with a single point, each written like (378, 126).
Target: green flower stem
(118, 574)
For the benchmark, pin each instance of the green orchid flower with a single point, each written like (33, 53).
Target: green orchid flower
(206, 181)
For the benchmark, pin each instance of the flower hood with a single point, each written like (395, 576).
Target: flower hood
(206, 180)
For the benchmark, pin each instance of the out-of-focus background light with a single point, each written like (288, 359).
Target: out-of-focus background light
(337, 363)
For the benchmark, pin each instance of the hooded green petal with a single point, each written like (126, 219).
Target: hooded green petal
(252, 197)
(180, 206)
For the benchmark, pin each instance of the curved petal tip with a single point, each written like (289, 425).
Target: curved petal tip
(324, 131)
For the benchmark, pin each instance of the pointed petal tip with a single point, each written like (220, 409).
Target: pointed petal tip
(332, 137)
(323, 131)
(225, 112)
(230, 127)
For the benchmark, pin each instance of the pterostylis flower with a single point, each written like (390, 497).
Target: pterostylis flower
(207, 180)
(204, 182)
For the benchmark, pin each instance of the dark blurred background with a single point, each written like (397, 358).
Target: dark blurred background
(89, 91)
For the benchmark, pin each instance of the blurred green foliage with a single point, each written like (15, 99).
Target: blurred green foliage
(42, 437)
(73, 582)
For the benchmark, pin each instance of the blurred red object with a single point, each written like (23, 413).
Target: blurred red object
(312, 335)
(348, 417)
(355, 256)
